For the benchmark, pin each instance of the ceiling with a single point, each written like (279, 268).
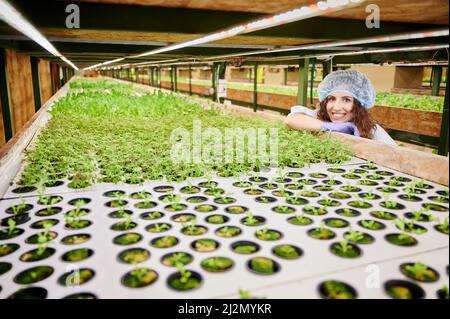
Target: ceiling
(116, 28)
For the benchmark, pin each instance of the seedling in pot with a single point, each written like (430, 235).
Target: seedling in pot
(345, 249)
(300, 220)
(420, 215)
(400, 289)
(21, 207)
(224, 199)
(316, 211)
(281, 209)
(369, 195)
(333, 289)
(142, 194)
(139, 277)
(328, 202)
(402, 239)
(251, 220)
(268, 234)
(263, 266)
(409, 226)
(442, 226)
(421, 184)
(164, 242)
(359, 203)
(228, 231)
(358, 237)
(175, 259)
(158, 228)
(205, 245)
(184, 280)
(371, 224)
(348, 212)
(321, 233)
(350, 188)
(394, 182)
(282, 192)
(217, 264)
(287, 252)
(193, 230)
(419, 272)
(383, 215)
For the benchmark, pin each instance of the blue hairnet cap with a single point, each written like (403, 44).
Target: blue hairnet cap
(351, 82)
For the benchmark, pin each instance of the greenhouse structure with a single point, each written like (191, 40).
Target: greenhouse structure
(146, 152)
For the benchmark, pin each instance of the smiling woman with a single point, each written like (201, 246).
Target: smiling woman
(345, 97)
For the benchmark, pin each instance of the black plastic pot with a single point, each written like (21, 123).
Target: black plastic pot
(401, 289)
(127, 239)
(245, 247)
(333, 289)
(75, 239)
(263, 266)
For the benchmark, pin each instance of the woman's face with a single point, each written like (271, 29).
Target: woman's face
(340, 107)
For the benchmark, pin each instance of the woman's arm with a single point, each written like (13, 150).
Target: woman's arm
(299, 121)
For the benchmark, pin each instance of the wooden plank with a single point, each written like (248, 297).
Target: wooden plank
(20, 87)
(430, 11)
(46, 80)
(170, 37)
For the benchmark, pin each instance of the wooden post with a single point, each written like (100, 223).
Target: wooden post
(8, 125)
(36, 83)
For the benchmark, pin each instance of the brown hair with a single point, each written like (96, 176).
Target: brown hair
(361, 117)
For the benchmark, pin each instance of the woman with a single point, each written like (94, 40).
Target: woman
(345, 97)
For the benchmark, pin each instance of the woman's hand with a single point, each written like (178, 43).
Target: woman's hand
(345, 127)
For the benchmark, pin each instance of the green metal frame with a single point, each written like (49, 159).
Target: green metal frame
(443, 141)
(214, 81)
(436, 80)
(36, 82)
(8, 124)
(302, 94)
(190, 79)
(255, 87)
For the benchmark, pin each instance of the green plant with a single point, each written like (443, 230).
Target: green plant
(354, 236)
(408, 226)
(244, 294)
(388, 203)
(184, 274)
(16, 209)
(124, 151)
(420, 272)
(251, 220)
(11, 226)
(44, 239)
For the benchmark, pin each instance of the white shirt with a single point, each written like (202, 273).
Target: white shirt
(379, 133)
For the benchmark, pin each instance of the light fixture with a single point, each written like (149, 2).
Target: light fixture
(377, 39)
(13, 17)
(305, 12)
